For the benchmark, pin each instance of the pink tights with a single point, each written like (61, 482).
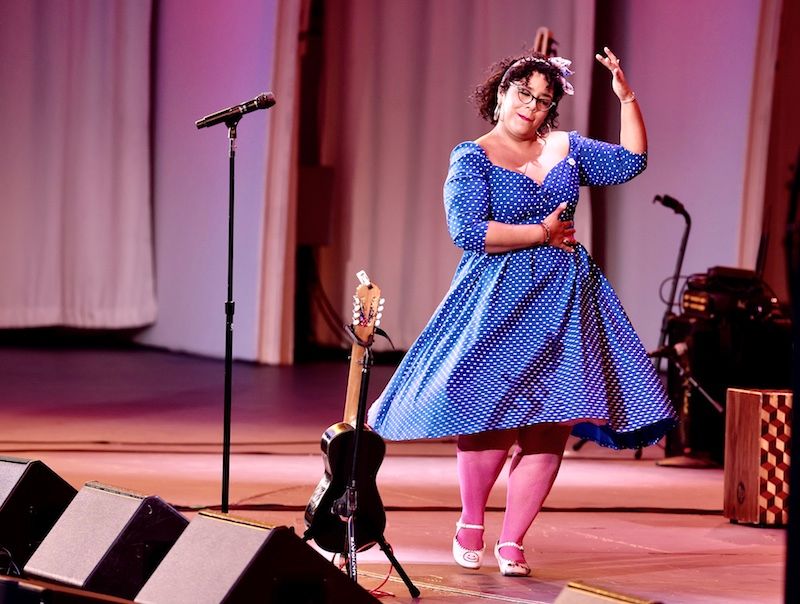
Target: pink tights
(534, 465)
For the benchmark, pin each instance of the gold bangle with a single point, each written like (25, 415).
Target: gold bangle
(546, 233)
(630, 100)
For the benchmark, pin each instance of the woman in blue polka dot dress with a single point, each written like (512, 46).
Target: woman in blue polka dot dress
(530, 343)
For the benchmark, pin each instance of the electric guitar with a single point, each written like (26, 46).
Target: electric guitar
(324, 525)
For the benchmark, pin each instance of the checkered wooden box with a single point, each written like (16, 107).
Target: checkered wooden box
(757, 438)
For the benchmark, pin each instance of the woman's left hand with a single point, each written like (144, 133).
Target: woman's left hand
(618, 83)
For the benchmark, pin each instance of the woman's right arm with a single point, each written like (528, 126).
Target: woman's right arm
(467, 205)
(501, 237)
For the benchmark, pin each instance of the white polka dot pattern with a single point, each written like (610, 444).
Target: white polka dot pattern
(529, 336)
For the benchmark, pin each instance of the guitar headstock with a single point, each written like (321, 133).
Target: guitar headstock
(544, 42)
(367, 307)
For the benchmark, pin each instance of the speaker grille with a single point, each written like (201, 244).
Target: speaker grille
(107, 540)
(206, 561)
(88, 539)
(10, 476)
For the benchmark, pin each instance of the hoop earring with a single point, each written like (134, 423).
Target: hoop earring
(497, 103)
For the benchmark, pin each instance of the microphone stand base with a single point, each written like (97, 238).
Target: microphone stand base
(689, 461)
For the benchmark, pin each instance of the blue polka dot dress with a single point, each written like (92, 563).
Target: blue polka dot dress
(529, 336)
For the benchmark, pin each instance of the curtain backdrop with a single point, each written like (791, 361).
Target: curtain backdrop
(784, 149)
(213, 56)
(75, 233)
(276, 312)
(397, 83)
(773, 140)
(758, 147)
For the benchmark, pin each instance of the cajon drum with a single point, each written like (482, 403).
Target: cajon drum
(758, 429)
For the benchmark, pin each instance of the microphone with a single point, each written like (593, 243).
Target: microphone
(671, 203)
(265, 100)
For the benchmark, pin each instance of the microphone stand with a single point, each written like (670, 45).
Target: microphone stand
(678, 208)
(687, 460)
(231, 117)
(231, 123)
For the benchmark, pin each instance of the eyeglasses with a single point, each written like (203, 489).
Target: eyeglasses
(525, 97)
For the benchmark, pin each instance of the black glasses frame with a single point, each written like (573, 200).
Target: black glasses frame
(540, 104)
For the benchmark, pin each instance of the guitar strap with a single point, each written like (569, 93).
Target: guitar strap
(383, 334)
(349, 329)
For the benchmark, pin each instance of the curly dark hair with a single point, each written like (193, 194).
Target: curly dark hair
(485, 95)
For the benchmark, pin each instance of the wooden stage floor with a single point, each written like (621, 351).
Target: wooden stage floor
(151, 421)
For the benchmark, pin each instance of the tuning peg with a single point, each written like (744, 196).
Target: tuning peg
(378, 323)
(380, 308)
(379, 316)
(382, 301)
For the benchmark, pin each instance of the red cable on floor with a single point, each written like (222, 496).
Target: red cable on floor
(375, 591)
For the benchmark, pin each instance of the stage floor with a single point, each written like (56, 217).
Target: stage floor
(151, 421)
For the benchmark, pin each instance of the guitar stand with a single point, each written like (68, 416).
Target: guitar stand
(346, 507)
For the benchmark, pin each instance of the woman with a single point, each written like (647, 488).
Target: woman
(530, 343)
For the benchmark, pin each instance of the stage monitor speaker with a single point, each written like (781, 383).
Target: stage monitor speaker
(222, 559)
(32, 497)
(108, 540)
(576, 592)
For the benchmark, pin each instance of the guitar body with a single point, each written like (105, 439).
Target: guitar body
(328, 530)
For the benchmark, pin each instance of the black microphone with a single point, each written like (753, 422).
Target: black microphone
(265, 100)
(671, 203)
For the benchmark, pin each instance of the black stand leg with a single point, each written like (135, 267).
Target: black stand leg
(347, 505)
(387, 550)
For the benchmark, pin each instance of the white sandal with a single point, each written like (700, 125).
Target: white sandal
(511, 568)
(468, 558)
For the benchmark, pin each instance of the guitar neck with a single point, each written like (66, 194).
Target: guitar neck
(367, 307)
(354, 384)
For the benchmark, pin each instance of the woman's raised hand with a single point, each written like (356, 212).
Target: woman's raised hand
(618, 83)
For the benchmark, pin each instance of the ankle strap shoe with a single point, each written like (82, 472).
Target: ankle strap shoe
(468, 558)
(511, 568)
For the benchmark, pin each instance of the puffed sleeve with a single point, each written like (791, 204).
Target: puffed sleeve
(604, 163)
(466, 196)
